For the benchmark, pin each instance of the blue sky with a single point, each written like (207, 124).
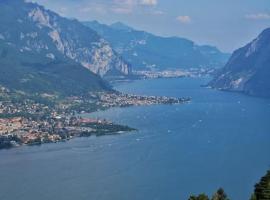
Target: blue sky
(227, 24)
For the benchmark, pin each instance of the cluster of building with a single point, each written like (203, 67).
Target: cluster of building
(35, 120)
(19, 131)
(29, 107)
(162, 74)
(191, 72)
(10, 125)
(124, 100)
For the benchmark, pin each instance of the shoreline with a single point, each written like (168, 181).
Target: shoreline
(40, 124)
(97, 129)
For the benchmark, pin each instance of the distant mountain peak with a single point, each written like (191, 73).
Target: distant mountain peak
(39, 16)
(121, 26)
(248, 69)
(72, 39)
(257, 43)
(42, 51)
(146, 51)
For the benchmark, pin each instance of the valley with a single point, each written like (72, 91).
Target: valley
(133, 105)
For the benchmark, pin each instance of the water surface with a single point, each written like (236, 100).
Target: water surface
(219, 139)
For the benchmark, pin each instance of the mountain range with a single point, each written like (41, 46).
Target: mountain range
(42, 51)
(248, 69)
(147, 51)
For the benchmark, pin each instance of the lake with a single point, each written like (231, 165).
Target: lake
(219, 139)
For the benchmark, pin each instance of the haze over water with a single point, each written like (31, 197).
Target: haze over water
(220, 139)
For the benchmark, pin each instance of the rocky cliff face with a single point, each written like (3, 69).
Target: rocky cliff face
(43, 52)
(248, 70)
(147, 51)
(32, 28)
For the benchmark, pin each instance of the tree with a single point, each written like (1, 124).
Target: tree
(262, 189)
(253, 197)
(199, 197)
(220, 195)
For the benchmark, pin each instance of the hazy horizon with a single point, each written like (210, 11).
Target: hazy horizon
(226, 25)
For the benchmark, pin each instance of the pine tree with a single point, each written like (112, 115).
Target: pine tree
(253, 197)
(199, 197)
(262, 189)
(220, 195)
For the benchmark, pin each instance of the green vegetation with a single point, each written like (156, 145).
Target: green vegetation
(22, 68)
(34, 119)
(219, 195)
(199, 197)
(262, 189)
(35, 74)
(108, 128)
(87, 107)
(261, 192)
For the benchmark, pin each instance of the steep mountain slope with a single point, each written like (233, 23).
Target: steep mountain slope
(32, 28)
(147, 51)
(29, 59)
(248, 70)
(35, 73)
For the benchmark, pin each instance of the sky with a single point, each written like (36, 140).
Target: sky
(227, 24)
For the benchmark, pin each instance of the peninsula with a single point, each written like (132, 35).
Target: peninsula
(45, 118)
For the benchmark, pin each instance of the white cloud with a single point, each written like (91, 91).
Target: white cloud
(123, 6)
(148, 2)
(184, 19)
(93, 7)
(103, 7)
(124, 2)
(258, 16)
(121, 10)
(158, 12)
(128, 6)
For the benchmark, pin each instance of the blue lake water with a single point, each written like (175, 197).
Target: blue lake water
(219, 139)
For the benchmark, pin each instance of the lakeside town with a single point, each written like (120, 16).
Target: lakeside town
(179, 73)
(36, 119)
